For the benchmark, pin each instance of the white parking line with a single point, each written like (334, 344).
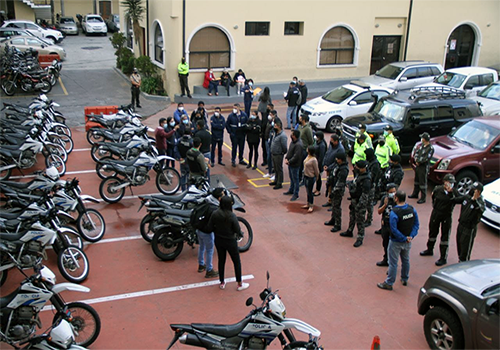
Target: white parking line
(81, 149)
(67, 173)
(155, 291)
(113, 240)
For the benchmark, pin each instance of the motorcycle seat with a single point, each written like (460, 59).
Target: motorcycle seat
(223, 330)
(178, 212)
(11, 214)
(4, 301)
(170, 198)
(17, 185)
(11, 236)
(121, 162)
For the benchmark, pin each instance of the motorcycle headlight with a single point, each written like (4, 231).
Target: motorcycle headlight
(443, 164)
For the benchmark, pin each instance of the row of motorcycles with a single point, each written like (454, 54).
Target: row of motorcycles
(125, 155)
(21, 70)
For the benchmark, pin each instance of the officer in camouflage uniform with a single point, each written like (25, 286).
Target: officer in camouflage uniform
(394, 173)
(374, 170)
(422, 154)
(359, 190)
(337, 180)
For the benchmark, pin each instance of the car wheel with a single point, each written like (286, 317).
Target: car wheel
(333, 123)
(52, 38)
(465, 179)
(443, 330)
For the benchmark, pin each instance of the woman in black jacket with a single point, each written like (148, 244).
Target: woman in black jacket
(253, 138)
(225, 225)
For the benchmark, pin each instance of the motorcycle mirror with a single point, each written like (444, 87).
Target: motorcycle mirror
(249, 301)
(267, 277)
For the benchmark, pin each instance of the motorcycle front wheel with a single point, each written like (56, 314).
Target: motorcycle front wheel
(98, 154)
(246, 238)
(64, 141)
(85, 321)
(102, 172)
(91, 225)
(62, 130)
(144, 227)
(57, 150)
(9, 87)
(5, 174)
(163, 245)
(108, 192)
(57, 162)
(298, 345)
(73, 264)
(3, 277)
(92, 138)
(46, 87)
(168, 181)
(52, 79)
(73, 239)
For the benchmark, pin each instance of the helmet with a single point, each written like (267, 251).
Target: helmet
(449, 178)
(52, 173)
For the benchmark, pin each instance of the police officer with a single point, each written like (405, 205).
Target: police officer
(385, 208)
(337, 181)
(359, 149)
(422, 154)
(390, 140)
(236, 126)
(394, 173)
(359, 190)
(362, 130)
(218, 124)
(470, 215)
(444, 198)
(374, 170)
(383, 154)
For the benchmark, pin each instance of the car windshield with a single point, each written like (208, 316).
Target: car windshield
(116, 18)
(67, 20)
(491, 92)
(389, 72)
(450, 79)
(338, 95)
(475, 134)
(390, 110)
(491, 291)
(94, 20)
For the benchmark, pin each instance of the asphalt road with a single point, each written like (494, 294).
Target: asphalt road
(88, 78)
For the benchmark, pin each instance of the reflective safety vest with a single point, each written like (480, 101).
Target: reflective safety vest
(383, 153)
(391, 141)
(368, 139)
(359, 152)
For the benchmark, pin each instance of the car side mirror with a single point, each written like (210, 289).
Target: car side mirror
(353, 103)
(415, 119)
(249, 301)
(403, 79)
(492, 306)
(468, 87)
(495, 149)
(43, 46)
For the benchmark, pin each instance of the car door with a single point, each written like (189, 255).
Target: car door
(486, 332)
(444, 120)
(19, 43)
(491, 166)
(34, 29)
(37, 46)
(359, 104)
(408, 79)
(410, 134)
(424, 75)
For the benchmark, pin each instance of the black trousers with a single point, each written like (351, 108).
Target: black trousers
(278, 168)
(465, 240)
(264, 150)
(253, 147)
(436, 221)
(337, 208)
(386, 234)
(136, 92)
(227, 245)
(218, 144)
(238, 145)
(183, 79)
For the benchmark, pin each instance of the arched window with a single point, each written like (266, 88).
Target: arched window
(209, 47)
(337, 47)
(158, 40)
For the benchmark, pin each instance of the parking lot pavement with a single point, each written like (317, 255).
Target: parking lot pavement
(88, 78)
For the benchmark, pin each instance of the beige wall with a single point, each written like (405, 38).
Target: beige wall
(83, 7)
(278, 57)
(23, 11)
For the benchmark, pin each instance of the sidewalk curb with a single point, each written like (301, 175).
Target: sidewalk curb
(166, 99)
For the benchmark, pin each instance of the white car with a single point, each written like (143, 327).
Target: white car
(491, 196)
(489, 99)
(43, 33)
(328, 111)
(468, 79)
(94, 24)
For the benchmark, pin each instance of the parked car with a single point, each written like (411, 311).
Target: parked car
(94, 24)
(489, 99)
(328, 111)
(491, 196)
(412, 113)
(404, 75)
(67, 25)
(460, 305)
(113, 23)
(470, 152)
(468, 79)
(10, 32)
(44, 33)
(24, 43)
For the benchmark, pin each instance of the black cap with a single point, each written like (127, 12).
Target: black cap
(362, 136)
(293, 82)
(425, 136)
(341, 156)
(391, 185)
(362, 126)
(396, 158)
(477, 186)
(387, 127)
(361, 164)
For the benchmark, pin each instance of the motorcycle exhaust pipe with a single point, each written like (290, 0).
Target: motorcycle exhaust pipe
(200, 340)
(7, 167)
(119, 187)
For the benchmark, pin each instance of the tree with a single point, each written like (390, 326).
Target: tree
(135, 12)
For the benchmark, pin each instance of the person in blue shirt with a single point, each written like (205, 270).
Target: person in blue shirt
(179, 112)
(236, 126)
(218, 124)
(403, 221)
(248, 95)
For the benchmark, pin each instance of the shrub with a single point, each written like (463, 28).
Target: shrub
(145, 66)
(153, 85)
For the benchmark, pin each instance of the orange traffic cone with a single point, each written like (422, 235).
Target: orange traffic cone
(376, 343)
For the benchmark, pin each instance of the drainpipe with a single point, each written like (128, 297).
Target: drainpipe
(183, 28)
(62, 8)
(147, 27)
(408, 30)
(95, 6)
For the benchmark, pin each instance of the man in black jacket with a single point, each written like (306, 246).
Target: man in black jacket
(185, 144)
(293, 159)
(218, 124)
(394, 172)
(236, 126)
(385, 208)
(303, 92)
(470, 216)
(196, 162)
(292, 96)
(206, 141)
(337, 182)
(374, 170)
(422, 154)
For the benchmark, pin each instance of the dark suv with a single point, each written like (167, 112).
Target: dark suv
(412, 113)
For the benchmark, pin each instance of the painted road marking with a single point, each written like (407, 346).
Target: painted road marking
(113, 240)
(82, 149)
(154, 291)
(63, 87)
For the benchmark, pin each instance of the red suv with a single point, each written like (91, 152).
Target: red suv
(470, 152)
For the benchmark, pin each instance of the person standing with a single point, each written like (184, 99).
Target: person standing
(404, 225)
(320, 145)
(197, 163)
(338, 180)
(278, 150)
(199, 113)
(329, 162)
(422, 155)
(362, 130)
(383, 153)
(211, 82)
(248, 95)
(374, 170)
(185, 144)
(135, 79)
(390, 140)
(161, 136)
(171, 141)
(443, 202)
(265, 106)
(183, 70)
(270, 133)
(359, 190)
(225, 80)
(206, 141)
(293, 159)
(179, 112)
(217, 125)
(394, 173)
(292, 97)
(253, 138)
(303, 96)
(311, 173)
(236, 127)
(306, 135)
(185, 125)
(226, 229)
(360, 146)
(470, 215)
(386, 204)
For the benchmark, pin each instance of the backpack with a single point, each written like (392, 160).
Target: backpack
(200, 216)
(299, 99)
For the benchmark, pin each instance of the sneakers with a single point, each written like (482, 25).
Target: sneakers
(212, 273)
(242, 287)
(346, 234)
(294, 198)
(201, 268)
(404, 283)
(382, 263)
(267, 175)
(358, 243)
(222, 285)
(427, 252)
(273, 178)
(384, 285)
(441, 262)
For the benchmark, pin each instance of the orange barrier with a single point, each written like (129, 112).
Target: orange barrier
(97, 110)
(46, 60)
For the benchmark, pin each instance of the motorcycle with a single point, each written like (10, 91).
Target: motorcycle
(256, 331)
(20, 311)
(123, 134)
(122, 151)
(54, 71)
(135, 173)
(15, 78)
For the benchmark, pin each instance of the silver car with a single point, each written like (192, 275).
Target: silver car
(67, 25)
(24, 43)
(460, 305)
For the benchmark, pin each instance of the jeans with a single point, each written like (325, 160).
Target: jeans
(293, 173)
(291, 117)
(218, 144)
(184, 175)
(248, 106)
(207, 155)
(170, 153)
(395, 250)
(228, 245)
(206, 241)
(309, 182)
